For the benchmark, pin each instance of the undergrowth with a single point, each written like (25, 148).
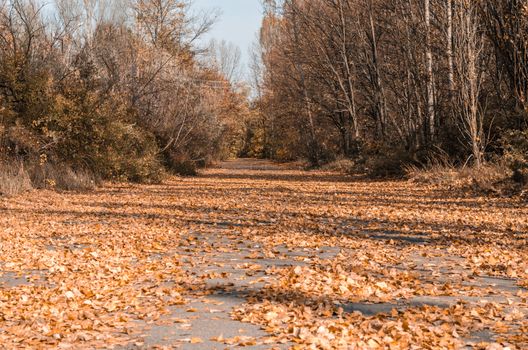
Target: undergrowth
(14, 179)
(488, 179)
(19, 177)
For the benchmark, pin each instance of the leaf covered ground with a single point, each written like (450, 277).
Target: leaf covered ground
(256, 255)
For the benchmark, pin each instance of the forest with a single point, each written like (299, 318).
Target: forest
(91, 92)
(393, 84)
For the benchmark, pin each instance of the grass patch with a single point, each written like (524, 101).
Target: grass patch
(14, 179)
(490, 178)
(61, 177)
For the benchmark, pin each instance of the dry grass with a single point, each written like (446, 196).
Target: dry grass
(342, 165)
(71, 180)
(61, 178)
(484, 178)
(14, 179)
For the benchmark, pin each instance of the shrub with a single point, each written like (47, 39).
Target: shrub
(75, 180)
(432, 174)
(184, 168)
(387, 164)
(132, 155)
(515, 145)
(341, 165)
(449, 174)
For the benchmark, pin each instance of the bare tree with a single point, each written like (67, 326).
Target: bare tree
(449, 46)
(507, 28)
(226, 57)
(469, 48)
(430, 75)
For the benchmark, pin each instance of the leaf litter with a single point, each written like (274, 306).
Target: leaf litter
(443, 267)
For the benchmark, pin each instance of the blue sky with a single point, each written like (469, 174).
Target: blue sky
(239, 21)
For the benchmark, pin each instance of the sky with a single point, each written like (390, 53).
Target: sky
(239, 22)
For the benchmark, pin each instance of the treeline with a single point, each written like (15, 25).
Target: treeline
(389, 83)
(111, 89)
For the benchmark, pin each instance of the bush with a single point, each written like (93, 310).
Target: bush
(387, 164)
(14, 179)
(488, 179)
(341, 165)
(134, 156)
(515, 145)
(432, 174)
(184, 168)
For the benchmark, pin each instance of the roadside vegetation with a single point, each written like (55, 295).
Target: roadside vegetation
(112, 90)
(426, 88)
(120, 90)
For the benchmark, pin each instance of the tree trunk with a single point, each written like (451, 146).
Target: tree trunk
(451, 72)
(380, 98)
(430, 76)
(312, 144)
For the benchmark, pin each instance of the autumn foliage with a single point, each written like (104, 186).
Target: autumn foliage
(392, 83)
(109, 91)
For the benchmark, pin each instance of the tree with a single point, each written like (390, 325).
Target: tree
(430, 75)
(226, 58)
(507, 28)
(403, 79)
(469, 57)
(111, 88)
